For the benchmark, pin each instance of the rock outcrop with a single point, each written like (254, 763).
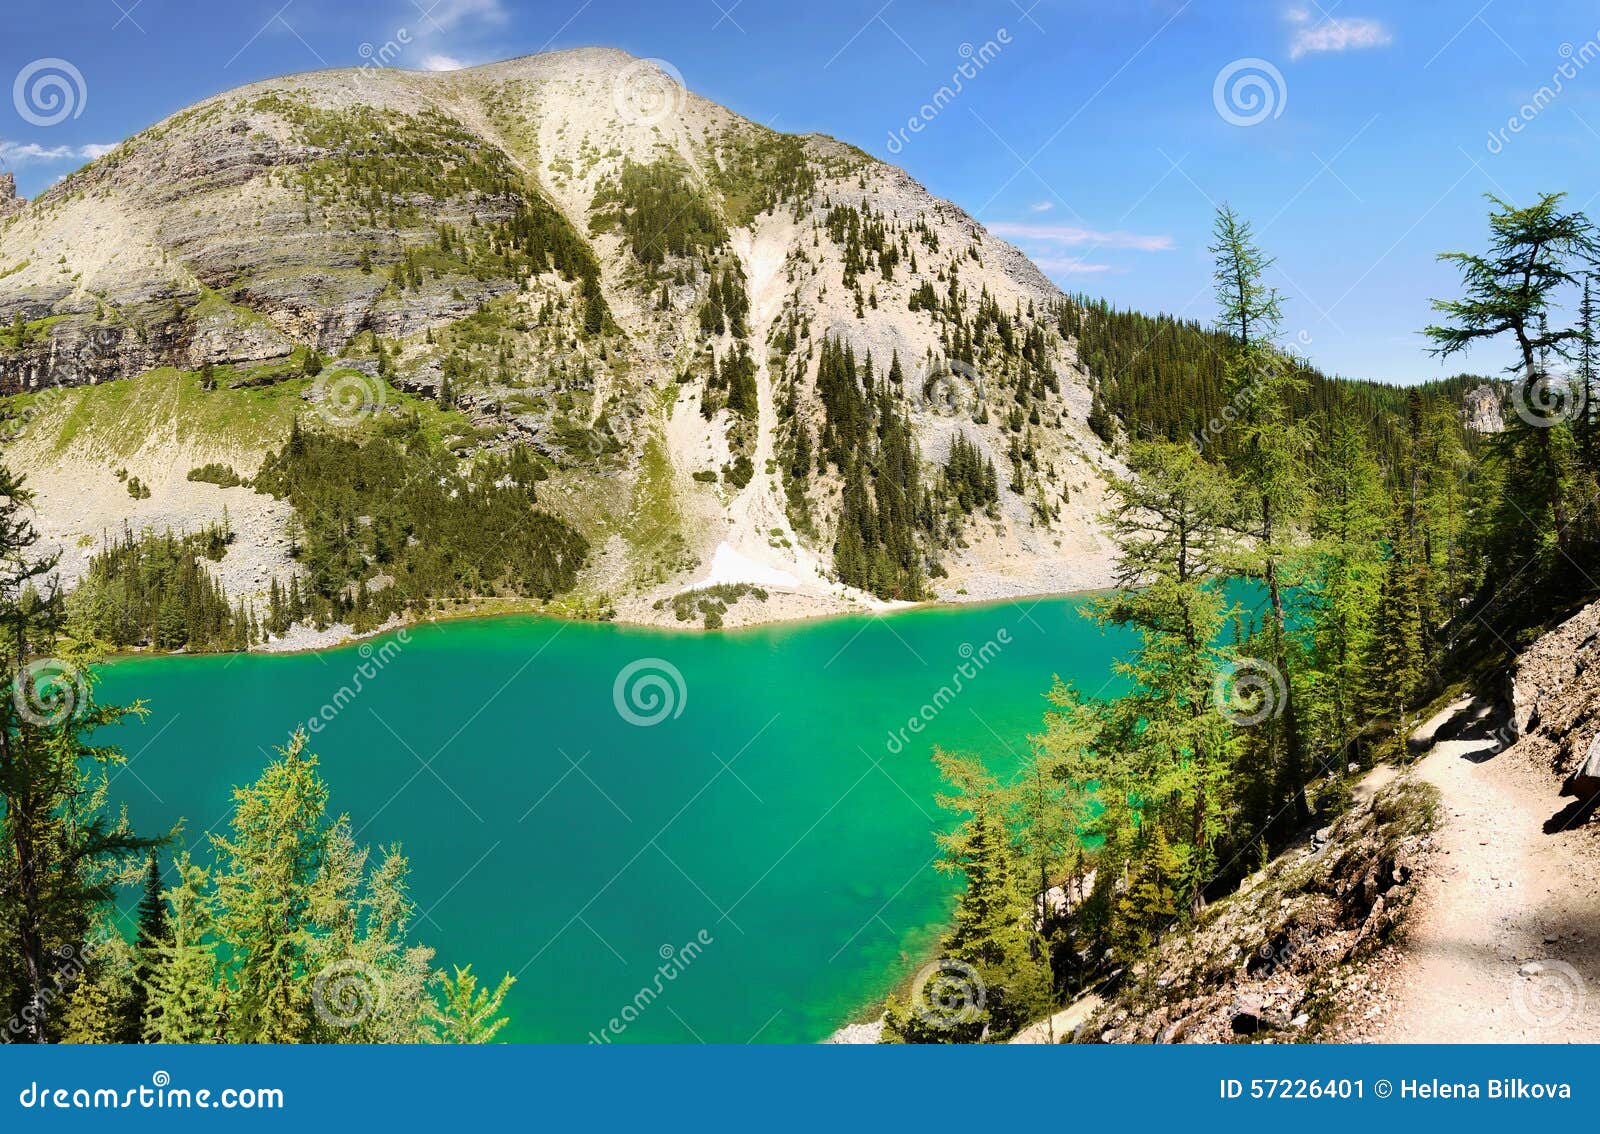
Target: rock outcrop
(1555, 702)
(1272, 959)
(1481, 410)
(9, 201)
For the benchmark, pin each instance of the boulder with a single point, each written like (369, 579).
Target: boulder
(1585, 782)
(1247, 1014)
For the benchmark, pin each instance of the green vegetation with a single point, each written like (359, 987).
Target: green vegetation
(1160, 378)
(116, 419)
(969, 478)
(218, 474)
(757, 172)
(393, 522)
(157, 591)
(659, 213)
(290, 936)
(1382, 565)
(385, 165)
(868, 441)
(710, 603)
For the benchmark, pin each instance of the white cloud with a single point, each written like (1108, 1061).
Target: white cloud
(447, 15)
(1345, 33)
(1041, 206)
(1072, 236)
(31, 153)
(1069, 266)
(442, 63)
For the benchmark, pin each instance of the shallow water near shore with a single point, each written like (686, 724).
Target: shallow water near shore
(665, 837)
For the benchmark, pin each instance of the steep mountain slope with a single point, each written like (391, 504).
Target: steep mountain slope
(739, 357)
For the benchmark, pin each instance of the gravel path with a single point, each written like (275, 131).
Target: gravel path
(1504, 945)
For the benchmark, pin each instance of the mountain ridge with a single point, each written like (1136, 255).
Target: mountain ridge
(570, 252)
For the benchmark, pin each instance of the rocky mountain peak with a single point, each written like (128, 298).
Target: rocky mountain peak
(9, 201)
(590, 261)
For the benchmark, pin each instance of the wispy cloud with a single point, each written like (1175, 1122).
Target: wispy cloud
(442, 63)
(1060, 236)
(1041, 206)
(1070, 266)
(1332, 34)
(451, 14)
(31, 153)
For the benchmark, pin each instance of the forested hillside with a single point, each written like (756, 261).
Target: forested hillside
(1381, 568)
(1160, 378)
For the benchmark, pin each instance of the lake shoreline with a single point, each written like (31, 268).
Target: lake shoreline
(301, 640)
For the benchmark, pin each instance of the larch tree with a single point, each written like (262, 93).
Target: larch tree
(1261, 383)
(1535, 253)
(61, 854)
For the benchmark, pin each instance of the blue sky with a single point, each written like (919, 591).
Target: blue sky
(1098, 136)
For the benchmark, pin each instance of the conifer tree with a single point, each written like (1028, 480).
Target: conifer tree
(1261, 384)
(465, 1013)
(185, 999)
(1535, 252)
(60, 853)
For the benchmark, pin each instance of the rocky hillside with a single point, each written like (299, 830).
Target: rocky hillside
(1555, 708)
(1455, 901)
(739, 357)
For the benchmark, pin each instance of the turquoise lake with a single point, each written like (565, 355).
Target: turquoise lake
(767, 801)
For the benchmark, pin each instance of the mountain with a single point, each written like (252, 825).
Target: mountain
(716, 354)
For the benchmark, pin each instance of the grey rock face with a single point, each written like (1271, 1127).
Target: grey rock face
(9, 201)
(1481, 412)
(1555, 700)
